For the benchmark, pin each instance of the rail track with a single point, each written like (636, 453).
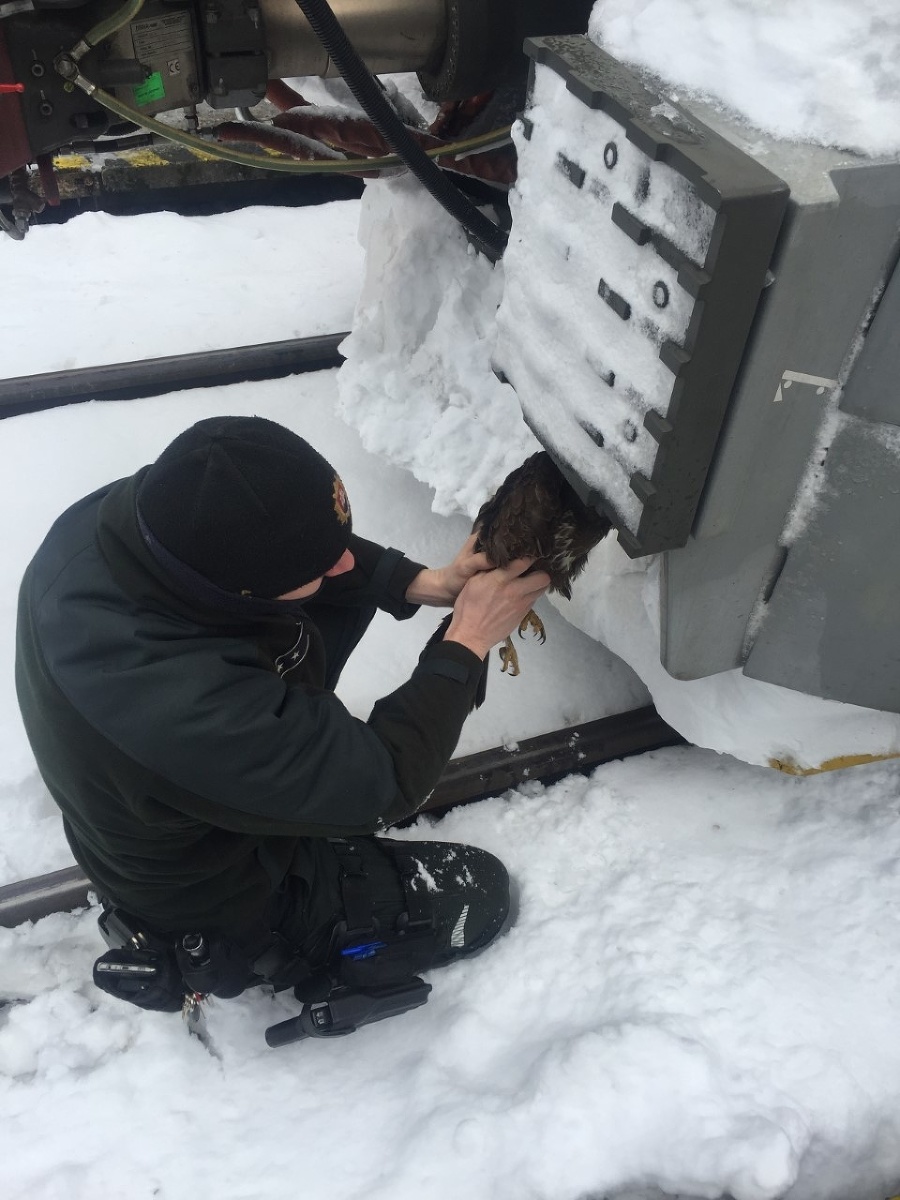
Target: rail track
(156, 376)
(544, 759)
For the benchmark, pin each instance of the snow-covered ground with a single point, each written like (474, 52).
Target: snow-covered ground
(700, 991)
(126, 288)
(700, 994)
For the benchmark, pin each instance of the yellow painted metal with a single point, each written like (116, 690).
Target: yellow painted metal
(142, 157)
(203, 155)
(72, 162)
(831, 764)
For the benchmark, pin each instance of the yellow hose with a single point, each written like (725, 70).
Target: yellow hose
(67, 67)
(484, 141)
(104, 29)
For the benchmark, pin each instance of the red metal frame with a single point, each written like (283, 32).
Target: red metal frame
(15, 149)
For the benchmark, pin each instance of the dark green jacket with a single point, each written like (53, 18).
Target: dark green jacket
(190, 744)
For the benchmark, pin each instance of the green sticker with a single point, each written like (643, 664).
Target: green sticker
(151, 89)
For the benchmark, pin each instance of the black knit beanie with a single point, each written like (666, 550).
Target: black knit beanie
(248, 505)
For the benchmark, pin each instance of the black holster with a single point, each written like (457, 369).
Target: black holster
(156, 971)
(369, 971)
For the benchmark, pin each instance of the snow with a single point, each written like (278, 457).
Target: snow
(223, 282)
(417, 383)
(822, 71)
(584, 376)
(699, 994)
(700, 990)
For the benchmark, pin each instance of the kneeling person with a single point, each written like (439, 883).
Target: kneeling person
(180, 636)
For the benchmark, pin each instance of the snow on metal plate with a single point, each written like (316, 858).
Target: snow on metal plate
(639, 247)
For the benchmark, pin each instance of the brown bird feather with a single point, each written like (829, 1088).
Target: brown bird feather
(536, 513)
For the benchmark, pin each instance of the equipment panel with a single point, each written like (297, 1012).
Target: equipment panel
(632, 278)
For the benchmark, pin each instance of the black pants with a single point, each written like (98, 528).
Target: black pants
(448, 899)
(464, 890)
(461, 890)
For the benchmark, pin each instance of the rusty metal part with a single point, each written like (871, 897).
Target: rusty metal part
(15, 149)
(26, 203)
(296, 132)
(356, 135)
(456, 115)
(542, 759)
(49, 182)
(283, 97)
(303, 147)
(116, 169)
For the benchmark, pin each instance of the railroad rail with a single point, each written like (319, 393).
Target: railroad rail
(543, 759)
(156, 376)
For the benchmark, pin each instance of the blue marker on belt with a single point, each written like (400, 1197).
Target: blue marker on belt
(363, 950)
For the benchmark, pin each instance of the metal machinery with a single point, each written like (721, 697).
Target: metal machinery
(726, 307)
(752, 436)
(171, 55)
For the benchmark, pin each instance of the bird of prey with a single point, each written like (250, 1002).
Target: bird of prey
(536, 513)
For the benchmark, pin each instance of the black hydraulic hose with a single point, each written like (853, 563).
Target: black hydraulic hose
(362, 84)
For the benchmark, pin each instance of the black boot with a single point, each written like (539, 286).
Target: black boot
(465, 891)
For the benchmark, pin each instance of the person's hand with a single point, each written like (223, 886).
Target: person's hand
(493, 603)
(441, 585)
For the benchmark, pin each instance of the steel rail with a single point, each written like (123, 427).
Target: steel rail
(153, 376)
(549, 757)
(543, 759)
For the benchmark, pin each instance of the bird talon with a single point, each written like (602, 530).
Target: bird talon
(533, 622)
(509, 658)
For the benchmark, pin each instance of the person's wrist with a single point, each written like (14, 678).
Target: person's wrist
(471, 640)
(429, 587)
(440, 586)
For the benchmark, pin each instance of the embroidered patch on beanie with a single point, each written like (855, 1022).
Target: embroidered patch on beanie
(341, 503)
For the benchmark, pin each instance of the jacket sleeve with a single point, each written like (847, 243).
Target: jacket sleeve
(380, 577)
(421, 721)
(330, 774)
